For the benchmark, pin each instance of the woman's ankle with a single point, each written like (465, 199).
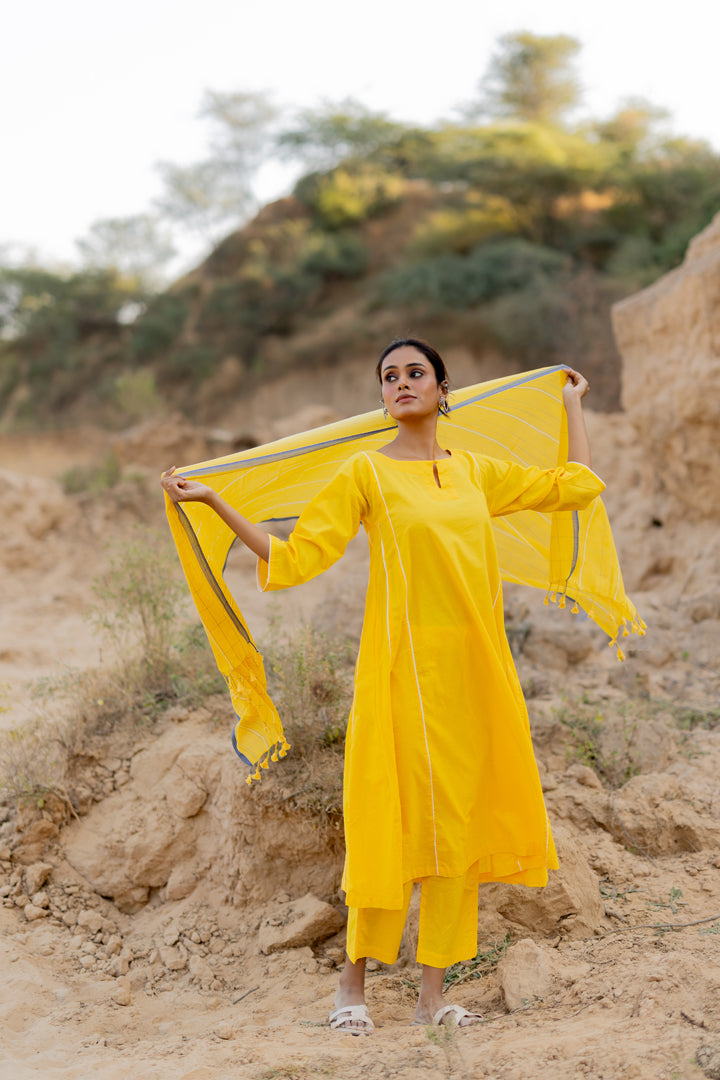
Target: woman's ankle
(352, 976)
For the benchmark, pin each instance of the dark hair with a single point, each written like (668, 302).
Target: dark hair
(422, 346)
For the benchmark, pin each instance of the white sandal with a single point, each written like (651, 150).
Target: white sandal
(454, 1014)
(342, 1019)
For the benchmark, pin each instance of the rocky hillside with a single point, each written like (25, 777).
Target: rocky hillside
(506, 245)
(160, 917)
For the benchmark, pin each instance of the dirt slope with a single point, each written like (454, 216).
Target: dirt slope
(99, 987)
(182, 925)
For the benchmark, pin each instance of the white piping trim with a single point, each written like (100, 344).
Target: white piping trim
(412, 653)
(263, 588)
(348, 741)
(496, 595)
(588, 469)
(387, 594)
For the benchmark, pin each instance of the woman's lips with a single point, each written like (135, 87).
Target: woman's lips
(405, 397)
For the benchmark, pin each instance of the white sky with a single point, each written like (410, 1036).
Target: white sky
(92, 95)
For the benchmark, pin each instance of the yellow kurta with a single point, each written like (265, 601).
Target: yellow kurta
(439, 766)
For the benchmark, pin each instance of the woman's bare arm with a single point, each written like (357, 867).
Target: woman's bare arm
(575, 389)
(181, 490)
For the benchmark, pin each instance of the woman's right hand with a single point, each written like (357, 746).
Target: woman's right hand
(181, 490)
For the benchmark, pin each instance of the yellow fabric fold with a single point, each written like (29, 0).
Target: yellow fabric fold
(520, 419)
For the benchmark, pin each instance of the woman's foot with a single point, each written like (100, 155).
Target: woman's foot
(448, 1015)
(430, 999)
(432, 1007)
(428, 1007)
(350, 1014)
(352, 1020)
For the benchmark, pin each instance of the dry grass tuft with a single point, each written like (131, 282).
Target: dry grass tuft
(310, 675)
(156, 658)
(31, 766)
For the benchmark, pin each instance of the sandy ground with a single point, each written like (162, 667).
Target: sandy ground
(179, 989)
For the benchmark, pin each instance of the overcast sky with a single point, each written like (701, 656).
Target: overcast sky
(92, 95)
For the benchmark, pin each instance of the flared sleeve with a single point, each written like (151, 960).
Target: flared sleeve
(324, 529)
(510, 487)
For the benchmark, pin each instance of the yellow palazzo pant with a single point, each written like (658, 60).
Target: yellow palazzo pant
(448, 923)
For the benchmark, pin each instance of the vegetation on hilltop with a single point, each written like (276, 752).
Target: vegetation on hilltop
(507, 228)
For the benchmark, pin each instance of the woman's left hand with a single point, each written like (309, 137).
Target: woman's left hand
(576, 385)
(181, 490)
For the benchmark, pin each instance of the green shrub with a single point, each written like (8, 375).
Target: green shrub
(225, 307)
(158, 328)
(31, 765)
(139, 597)
(10, 372)
(483, 963)
(606, 744)
(462, 281)
(688, 718)
(194, 672)
(155, 655)
(31, 761)
(459, 229)
(136, 395)
(289, 291)
(264, 300)
(193, 363)
(339, 255)
(536, 323)
(45, 306)
(92, 478)
(310, 675)
(343, 197)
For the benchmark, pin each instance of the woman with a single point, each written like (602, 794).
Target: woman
(441, 784)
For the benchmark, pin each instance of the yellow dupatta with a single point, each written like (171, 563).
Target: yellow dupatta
(521, 418)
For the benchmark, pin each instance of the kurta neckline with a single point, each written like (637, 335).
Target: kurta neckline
(417, 461)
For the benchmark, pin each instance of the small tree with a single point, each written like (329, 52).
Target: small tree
(215, 195)
(204, 198)
(59, 306)
(635, 129)
(321, 138)
(531, 77)
(136, 247)
(242, 126)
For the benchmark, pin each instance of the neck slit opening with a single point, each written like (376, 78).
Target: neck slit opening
(436, 474)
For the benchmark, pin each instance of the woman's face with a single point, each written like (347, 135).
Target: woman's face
(409, 386)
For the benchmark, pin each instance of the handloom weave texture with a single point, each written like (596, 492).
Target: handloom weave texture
(493, 428)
